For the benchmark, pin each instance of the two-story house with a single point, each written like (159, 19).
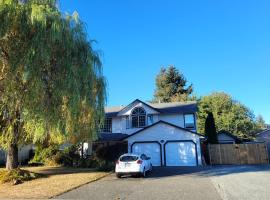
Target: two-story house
(164, 131)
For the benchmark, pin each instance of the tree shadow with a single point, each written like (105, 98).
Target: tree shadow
(49, 171)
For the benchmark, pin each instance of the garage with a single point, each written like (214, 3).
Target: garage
(167, 145)
(151, 149)
(180, 153)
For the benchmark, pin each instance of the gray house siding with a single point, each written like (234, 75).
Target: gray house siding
(264, 136)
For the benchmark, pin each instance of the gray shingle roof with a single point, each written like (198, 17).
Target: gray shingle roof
(267, 131)
(111, 136)
(175, 107)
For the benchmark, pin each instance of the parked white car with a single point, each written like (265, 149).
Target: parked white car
(133, 164)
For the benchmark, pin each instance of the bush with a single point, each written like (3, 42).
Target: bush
(52, 156)
(17, 176)
(110, 152)
(105, 156)
(43, 154)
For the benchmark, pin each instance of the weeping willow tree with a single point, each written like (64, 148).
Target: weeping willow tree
(51, 81)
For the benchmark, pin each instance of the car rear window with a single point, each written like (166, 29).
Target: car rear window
(128, 158)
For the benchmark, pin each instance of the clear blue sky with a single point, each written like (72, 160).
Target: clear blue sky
(219, 45)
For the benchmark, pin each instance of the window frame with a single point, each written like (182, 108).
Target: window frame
(127, 122)
(105, 130)
(137, 116)
(194, 121)
(150, 119)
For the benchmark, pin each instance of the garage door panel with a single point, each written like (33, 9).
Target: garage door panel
(151, 149)
(180, 154)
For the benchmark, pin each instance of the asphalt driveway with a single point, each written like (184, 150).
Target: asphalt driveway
(162, 183)
(227, 182)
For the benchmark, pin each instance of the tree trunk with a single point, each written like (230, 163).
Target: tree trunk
(12, 157)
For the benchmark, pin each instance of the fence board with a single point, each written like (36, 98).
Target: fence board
(238, 154)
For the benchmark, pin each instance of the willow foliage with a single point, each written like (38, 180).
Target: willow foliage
(51, 82)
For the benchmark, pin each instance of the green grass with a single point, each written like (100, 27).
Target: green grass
(16, 176)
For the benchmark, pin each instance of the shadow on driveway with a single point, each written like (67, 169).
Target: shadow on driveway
(160, 172)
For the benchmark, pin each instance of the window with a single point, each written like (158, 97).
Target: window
(128, 158)
(107, 126)
(150, 119)
(127, 122)
(138, 117)
(189, 121)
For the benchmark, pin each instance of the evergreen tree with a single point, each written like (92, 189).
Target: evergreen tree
(51, 82)
(210, 129)
(171, 86)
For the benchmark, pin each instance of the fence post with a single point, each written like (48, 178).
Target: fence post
(219, 148)
(209, 154)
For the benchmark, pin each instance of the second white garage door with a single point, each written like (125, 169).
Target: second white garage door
(182, 153)
(151, 149)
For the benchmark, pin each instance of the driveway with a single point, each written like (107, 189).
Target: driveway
(228, 182)
(162, 183)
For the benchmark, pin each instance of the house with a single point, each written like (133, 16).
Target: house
(166, 132)
(24, 154)
(224, 137)
(264, 136)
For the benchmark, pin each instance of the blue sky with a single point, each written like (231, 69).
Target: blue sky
(218, 45)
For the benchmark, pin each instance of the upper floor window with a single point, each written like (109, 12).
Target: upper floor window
(127, 122)
(138, 117)
(107, 126)
(150, 119)
(189, 121)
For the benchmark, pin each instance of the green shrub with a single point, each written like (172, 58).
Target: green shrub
(105, 156)
(52, 156)
(43, 154)
(110, 153)
(69, 157)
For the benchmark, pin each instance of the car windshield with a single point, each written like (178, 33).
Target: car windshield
(128, 158)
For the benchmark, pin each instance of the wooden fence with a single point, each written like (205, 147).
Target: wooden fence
(238, 154)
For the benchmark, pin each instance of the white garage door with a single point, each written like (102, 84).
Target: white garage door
(180, 154)
(150, 149)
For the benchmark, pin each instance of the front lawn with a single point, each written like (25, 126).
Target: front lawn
(57, 180)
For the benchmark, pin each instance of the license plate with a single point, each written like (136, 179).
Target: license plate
(127, 164)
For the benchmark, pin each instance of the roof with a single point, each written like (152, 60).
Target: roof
(170, 108)
(178, 127)
(113, 111)
(237, 140)
(111, 136)
(267, 131)
(176, 107)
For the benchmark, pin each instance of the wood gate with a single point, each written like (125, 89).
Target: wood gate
(238, 154)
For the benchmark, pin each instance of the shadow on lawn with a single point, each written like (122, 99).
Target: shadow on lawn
(48, 171)
(208, 171)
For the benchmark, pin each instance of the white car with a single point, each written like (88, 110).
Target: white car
(133, 164)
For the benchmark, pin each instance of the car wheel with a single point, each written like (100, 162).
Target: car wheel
(118, 175)
(144, 173)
